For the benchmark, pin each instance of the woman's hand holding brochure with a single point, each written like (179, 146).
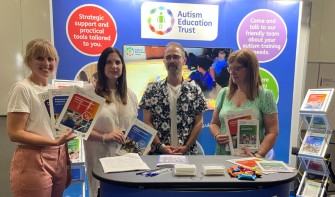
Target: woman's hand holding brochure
(116, 136)
(65, 137)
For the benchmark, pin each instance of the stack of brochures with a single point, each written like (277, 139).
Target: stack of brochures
(214, 169)
(71, 108)
(243, 130)
(184, 169)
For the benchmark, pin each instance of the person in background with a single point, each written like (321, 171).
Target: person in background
(117, 114)
(94, 78)
(174, 107)
(69, 122)
(216, 68)
(83, 77)
(245, 91)
(203, 78)
(41, 164)
(78, 121)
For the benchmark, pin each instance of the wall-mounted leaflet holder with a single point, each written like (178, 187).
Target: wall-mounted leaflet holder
(312, 185)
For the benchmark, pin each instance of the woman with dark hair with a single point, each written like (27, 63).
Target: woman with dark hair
(118, 112)
(245, 91)
(83, 77)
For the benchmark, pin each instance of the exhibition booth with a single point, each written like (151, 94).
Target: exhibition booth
(81, 30)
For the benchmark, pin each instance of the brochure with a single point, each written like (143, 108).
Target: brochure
(247, 134)
(314, 144)
(317, 100)
(273, 166)
(127, 162)
(85, 104)
(311, 189)
(313, 165)
(231, 119)
(65, 83)
(58, 98)
(139, 137)
(315, 122)
(74, 147)
(171, 160)
(248, 161)
(44, 99)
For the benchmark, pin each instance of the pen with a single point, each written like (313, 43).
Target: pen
(148, 171)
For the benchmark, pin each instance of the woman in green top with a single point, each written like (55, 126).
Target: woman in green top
(245, 91)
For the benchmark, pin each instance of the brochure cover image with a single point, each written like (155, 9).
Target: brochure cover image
(313, 145)
(231, 120)
(273, 166)
(317, 101)
(139, 137)
(44, 100)
(316, 166)
(171, 160)
(250, 161)
(58, 98)
(74, 147)
(248, 134)
(85, 104)
(311, 189)
(315, 122)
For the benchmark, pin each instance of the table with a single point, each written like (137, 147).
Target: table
(130, 184)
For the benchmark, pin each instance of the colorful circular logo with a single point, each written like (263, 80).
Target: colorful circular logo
(54, 93)
(78, 90)
(44, 96)
(130, 51)
(159, 18)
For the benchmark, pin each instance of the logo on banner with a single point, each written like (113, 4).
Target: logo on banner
(44, 96)
(160, 17)
(181, 21)
(130, 51)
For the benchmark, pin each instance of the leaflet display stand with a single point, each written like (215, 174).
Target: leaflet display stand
(315, 143)
(312, 185)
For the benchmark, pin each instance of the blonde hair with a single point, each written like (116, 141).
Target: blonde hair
(39, 47)
(247, 58)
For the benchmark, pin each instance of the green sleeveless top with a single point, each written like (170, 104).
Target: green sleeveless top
(264, 104)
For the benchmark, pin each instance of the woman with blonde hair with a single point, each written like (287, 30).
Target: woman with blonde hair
(41, 163)
(245, 91)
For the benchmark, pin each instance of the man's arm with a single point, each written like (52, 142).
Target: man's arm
(147, 120)
(193, 136)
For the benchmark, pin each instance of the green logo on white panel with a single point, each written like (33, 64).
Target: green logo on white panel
(269, 82)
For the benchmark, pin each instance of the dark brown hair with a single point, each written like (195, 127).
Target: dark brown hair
(101, 88)
(83, 76)
(248, 59)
